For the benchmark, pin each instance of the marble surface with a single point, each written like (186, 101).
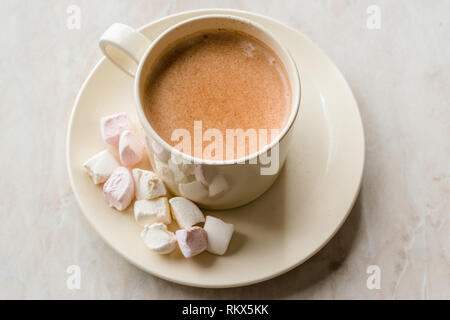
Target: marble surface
(400, 75)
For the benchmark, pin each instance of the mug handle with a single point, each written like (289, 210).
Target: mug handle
(124, 47)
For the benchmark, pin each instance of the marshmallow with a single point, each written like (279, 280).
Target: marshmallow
(148, 185)
(193, 190)
(157, 238)
(100, 166)
(218, 186)
(219, 235)
(160, 152)
(113, 126)
(181, 170)
(151, 211)
(119, 189)
(131, 149)
(204, 174)
(185, 212)
(192, 241)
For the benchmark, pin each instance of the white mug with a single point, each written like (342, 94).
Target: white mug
(210, 183)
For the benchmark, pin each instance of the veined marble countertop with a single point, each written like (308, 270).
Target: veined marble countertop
(399, 73)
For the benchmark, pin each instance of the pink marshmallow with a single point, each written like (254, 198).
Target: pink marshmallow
(192, 241)
(131, 149)
(113, 126)
(119, 189)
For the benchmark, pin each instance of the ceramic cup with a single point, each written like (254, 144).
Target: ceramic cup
(211, 184)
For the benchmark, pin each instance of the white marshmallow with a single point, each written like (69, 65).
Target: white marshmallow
(185, 212)
(151, 211)
(194, 190)
(113, 126)
(218, 185)
(160, 152)
(100, 166)
(157, 238)
(219, 235)
(204, 174)
(119, 189)
(131, 149)
(148, 185)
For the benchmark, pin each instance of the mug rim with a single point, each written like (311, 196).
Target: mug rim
(155, 136)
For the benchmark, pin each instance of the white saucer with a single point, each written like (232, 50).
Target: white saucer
(275, 233)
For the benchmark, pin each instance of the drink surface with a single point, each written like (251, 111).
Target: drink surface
(225, 80)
